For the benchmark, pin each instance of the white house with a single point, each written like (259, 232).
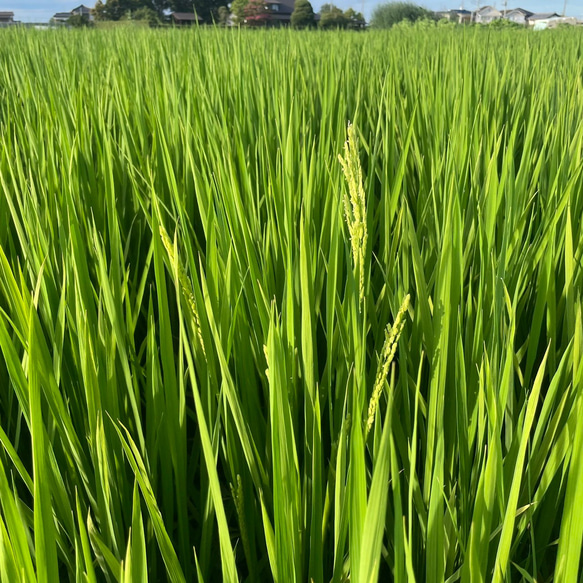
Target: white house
(460, 16)
(486, 15)
(63, 17)
(542, 17)
(518, 15)
(6, 18)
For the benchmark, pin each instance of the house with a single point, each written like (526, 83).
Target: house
(185, 18)
(83, 11)
(542, 18)
(6, 18)
(486, 15)
(550, 20)
(518, 15)
(554, 22)
(280, 12)
(272, 13)
(61, 17)
(460, 16)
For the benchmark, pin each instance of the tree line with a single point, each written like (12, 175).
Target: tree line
(120, 9)
(254, 13)
(242, 12)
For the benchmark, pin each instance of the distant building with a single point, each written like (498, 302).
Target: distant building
(486, 15)
(185, 18)
(545, 20)
(554, 22)
(542, 16)
(280, 12)
(518, 15)
(6, 19)
(277, 13)
(63, 17)
(83, 11)
(460, 16)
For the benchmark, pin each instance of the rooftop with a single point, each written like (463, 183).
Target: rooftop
(543, 15)
(185, 16)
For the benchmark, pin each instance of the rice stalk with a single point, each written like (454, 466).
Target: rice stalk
(392, 335)
(355, 206)
(185, 284)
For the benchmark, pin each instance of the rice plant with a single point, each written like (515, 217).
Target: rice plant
(291, 306)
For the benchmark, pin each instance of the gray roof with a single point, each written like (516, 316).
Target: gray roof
(284, 8)
(190, 16)
(521, 10)
(543, 16)
(6, 14)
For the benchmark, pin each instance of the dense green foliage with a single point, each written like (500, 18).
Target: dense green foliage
(118, 9)
(195, 364)
(303, 14)
(147, 15)
(391, 13)
(79, 21)
(332, 17)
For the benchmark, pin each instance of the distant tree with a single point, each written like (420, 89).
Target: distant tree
(256, 13)
(238, 10)
(116, 9)
(223, 15)
(180, 5)
(147, 15)
(79, 21)
(303, 15)
(354, 20)
(206, 9)
(332, 17)
(113, 9)
(386, 15)
(119, 9)
(446, 23)
(504, 23)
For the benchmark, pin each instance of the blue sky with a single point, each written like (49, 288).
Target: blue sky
(42, 10)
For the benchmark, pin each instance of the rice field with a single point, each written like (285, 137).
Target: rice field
(291, 306)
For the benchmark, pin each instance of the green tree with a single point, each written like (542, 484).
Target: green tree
(303, 15)
(238, 10)
(256, 13)
(223, 15)
(332, 17)
(147, 15)
(119, 9)
(206, 9)
(386, 15)
(354, 20)
(114, 9)
(79, 21)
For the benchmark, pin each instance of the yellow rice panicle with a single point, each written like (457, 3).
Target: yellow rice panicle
(392, 334)
(355, 205)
